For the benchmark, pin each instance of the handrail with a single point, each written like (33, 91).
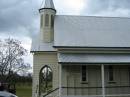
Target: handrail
(117, 93)
(80, 88)
(95, 87)
(50, 92)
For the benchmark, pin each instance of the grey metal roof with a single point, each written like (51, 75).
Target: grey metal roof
(41, 46)
(87, 31)
(49, 4)
(93, 58)
(91, 31)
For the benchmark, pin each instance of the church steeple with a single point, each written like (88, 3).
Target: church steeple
(47, 16)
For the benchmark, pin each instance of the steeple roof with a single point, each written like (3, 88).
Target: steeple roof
(49, 4)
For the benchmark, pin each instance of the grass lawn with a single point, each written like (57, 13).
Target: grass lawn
(24, 90)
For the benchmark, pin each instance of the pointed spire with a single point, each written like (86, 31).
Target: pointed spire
(49, 4)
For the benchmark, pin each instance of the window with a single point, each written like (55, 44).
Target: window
(129, 74)
(45, 79)
(52, 21)
(46, 20)
(41, 20)
(110, 73)
(84, 73)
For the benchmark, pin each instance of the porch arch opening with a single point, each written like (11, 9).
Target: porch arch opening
(45, 79)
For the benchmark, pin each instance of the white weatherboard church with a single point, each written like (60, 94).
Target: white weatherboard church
(81, 56)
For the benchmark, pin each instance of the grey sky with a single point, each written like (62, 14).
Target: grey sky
(108, 7)
(20, 18)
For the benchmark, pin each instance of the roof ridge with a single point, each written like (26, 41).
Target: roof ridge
(95, 16)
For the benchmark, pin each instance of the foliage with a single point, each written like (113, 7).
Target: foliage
(23, 79)
(11, 59)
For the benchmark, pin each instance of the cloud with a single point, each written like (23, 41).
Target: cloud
(115, 13)
(69, 7)
(19, 17)
(107, 8)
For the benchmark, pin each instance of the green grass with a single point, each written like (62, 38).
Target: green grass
(24, 90)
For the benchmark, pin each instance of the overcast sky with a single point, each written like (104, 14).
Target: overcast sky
(20, 18)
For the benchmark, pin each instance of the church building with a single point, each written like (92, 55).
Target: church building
(81, 56)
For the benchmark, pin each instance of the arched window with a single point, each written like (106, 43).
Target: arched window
(46, 20)
(52, 21)
(41, 20)
(45, 79)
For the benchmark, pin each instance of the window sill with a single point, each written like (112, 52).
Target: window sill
(112, 82)
(84, 82)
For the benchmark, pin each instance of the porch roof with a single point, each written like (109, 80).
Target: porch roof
(93, 58)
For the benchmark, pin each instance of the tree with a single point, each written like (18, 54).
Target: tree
(11, 59)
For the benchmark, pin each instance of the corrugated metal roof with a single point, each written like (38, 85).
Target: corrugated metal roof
(87, 31)
(91, 31)
(93, 58)
(41, 46)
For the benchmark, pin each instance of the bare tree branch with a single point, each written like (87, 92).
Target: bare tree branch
(11, 58)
